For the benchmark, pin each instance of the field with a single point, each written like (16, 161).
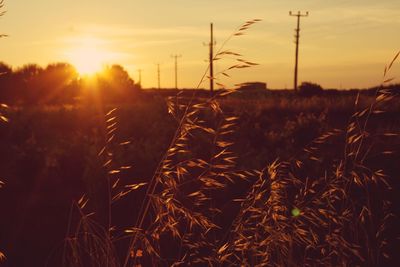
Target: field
(273, 179)
(97, 169)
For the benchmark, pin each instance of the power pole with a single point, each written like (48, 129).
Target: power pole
(158, 76)
(140, 77)
(176, 69)
(297, 36)
(212, 59)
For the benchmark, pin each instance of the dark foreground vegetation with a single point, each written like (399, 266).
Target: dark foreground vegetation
(269, 178)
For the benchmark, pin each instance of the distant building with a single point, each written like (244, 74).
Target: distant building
(252, 86)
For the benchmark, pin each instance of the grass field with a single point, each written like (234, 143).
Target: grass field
(97, 171)
(275, 180)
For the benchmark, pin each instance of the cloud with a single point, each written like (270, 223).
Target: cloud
(131, 31)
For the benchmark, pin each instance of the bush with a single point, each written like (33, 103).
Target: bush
(310, 89)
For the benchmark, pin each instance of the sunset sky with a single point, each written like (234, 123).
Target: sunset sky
(343, 43)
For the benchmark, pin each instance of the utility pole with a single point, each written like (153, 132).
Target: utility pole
(158, 76)
(176, 69)
(297, 36)
(212, 59)
(140, 77)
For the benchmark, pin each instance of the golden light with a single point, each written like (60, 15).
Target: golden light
(87, 61)
(89, 56)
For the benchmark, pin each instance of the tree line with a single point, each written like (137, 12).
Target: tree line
(60, 83)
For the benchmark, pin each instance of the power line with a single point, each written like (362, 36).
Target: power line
(297, 36)
(176, 69)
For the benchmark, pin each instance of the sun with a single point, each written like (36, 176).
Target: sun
(87, 61)
(88, 56)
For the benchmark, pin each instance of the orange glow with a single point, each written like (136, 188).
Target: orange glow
(89, 57)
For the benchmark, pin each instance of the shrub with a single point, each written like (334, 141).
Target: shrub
(310, 89)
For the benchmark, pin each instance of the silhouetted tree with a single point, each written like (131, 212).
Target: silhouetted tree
(5, 69)
(29, 71)
(26, 80)
(14, 85)
(31, 84)
(310, 89)
(116, 85)
(59, 84)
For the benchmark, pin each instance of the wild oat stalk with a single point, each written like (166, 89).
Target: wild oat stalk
(89, 244)
(3, 119)
(93, 244)
(166, 195)
(223, 54)
(316, 210)
(181, 201)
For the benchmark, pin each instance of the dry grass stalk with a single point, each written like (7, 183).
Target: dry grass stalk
(336, 217)
(165, 192)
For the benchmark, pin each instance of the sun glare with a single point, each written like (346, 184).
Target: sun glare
(87, 61)
(88, 56)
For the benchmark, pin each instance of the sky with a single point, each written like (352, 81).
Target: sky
(343, 44)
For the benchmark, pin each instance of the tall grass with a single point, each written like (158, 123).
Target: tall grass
(309, 209)
(3, 119)
(319, 210)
